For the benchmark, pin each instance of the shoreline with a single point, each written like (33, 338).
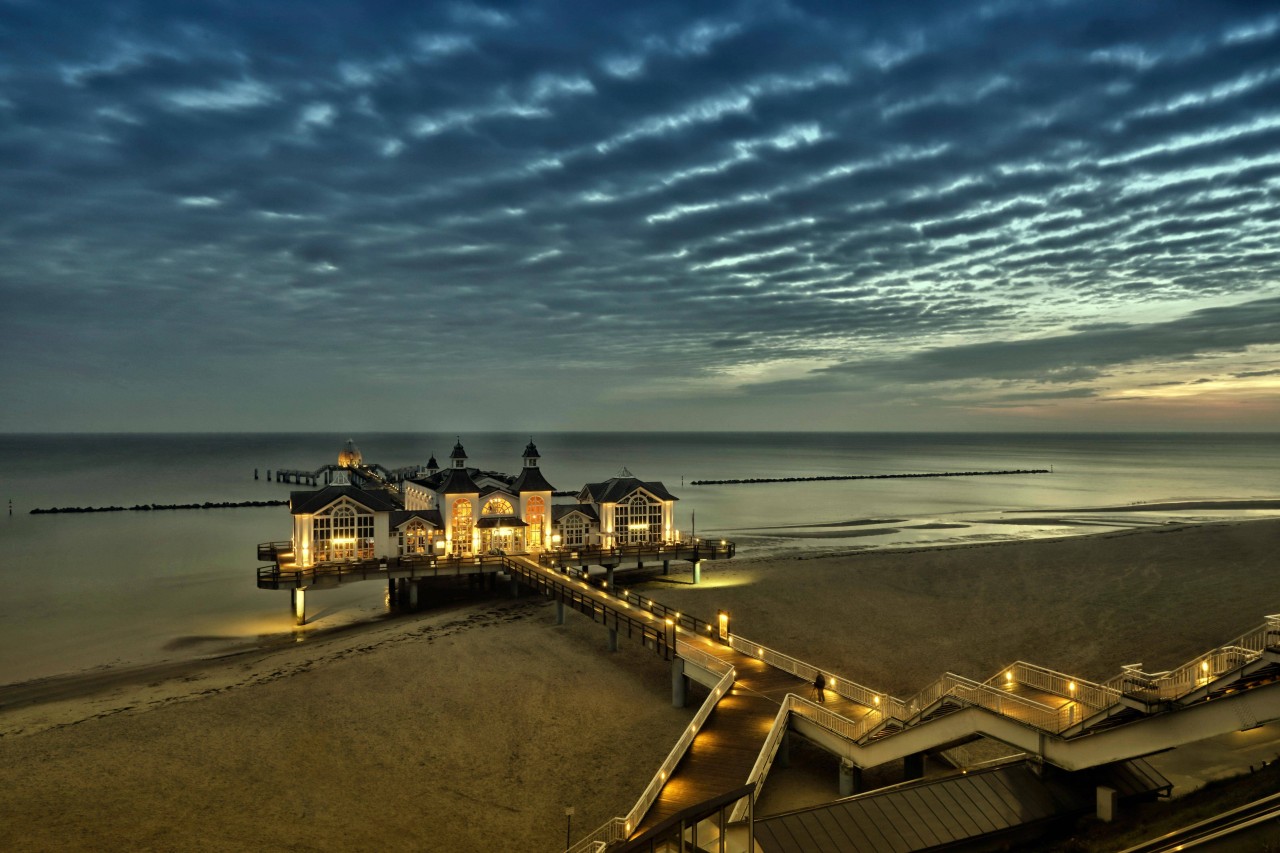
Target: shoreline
(479, 722)
(80, 683)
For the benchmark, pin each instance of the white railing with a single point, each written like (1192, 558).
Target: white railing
(850, 690)
(620, 828)
(764, 761)
(1095, 696)
(1202, 670)
(971, 692)
(701, 657)
(825, 717)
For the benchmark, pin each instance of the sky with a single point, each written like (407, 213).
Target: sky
(543, 216)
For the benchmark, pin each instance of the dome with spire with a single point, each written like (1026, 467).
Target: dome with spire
(350, 456)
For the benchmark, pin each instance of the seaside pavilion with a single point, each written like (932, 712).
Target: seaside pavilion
(462, 510)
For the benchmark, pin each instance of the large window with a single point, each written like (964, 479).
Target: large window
(497, 506)
(637, 519)
(574, 531)
(342, 533)
(535, 515)
(462, 525)
(415, 538)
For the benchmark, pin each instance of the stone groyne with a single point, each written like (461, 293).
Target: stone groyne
(867, 477)
(156, 507)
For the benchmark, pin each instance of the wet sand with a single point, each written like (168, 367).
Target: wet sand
(472, 729)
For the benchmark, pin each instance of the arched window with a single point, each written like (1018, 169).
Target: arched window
(342, 533)
(462, 524)
(497, 506)
(573, 530)
(535, 516)
(415, 538)
(638, 519)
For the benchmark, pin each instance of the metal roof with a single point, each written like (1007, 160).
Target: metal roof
(947, 811)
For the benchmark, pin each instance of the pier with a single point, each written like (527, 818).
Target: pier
(758, 698)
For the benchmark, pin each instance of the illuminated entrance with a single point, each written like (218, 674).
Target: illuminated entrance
(505, 534)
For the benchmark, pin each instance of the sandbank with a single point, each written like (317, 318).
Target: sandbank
(473, 728)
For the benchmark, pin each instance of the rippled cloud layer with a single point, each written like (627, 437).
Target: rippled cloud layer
(568, 215)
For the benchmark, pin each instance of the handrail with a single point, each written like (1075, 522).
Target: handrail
(764, 760)
(685, 620)
(1201, 670)
(702, 657)
(711, 549)
(1088, 693)
(850, 690)
(608, 832)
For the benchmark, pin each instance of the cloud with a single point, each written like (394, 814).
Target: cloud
(1028, 194)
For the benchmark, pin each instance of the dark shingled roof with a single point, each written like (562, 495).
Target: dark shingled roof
(559, 511)
(458, 452)
(457, 481)
(305, 503)
(531, 452)
(531, 480)
(614, 490)
(431, 463)
(430, 516)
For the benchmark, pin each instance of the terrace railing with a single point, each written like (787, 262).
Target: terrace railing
(594, 555)
(1095, 696)
(620, 828)
(851, 690)
(1200, 671)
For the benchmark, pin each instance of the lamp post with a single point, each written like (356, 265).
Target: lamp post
(568, 829)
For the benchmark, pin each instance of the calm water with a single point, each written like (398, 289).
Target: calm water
(83, 591)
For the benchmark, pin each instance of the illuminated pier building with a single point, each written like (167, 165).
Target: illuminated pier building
(460, 510)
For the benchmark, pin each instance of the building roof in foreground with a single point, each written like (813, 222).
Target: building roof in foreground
(430, 516)
(531, 480)
(613, 490)
(305, 503)
(559, 511)
(951, 810)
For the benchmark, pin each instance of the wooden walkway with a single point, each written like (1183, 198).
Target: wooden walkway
(723, 753)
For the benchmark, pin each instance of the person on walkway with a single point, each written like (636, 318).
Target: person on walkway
(820, 689)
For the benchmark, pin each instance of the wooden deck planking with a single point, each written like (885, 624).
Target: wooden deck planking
(720, 757)
(723, 753)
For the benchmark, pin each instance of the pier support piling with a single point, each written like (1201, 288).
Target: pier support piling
(613, 639)
(515, 586)
(608, 578)
(697, 571)
(666, 567)
(414, 595)
(850, 778)
(679, 684)
(300, 605)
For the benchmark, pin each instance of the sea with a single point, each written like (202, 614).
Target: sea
(83, 592)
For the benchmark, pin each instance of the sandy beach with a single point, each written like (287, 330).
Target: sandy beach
(473, 728)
